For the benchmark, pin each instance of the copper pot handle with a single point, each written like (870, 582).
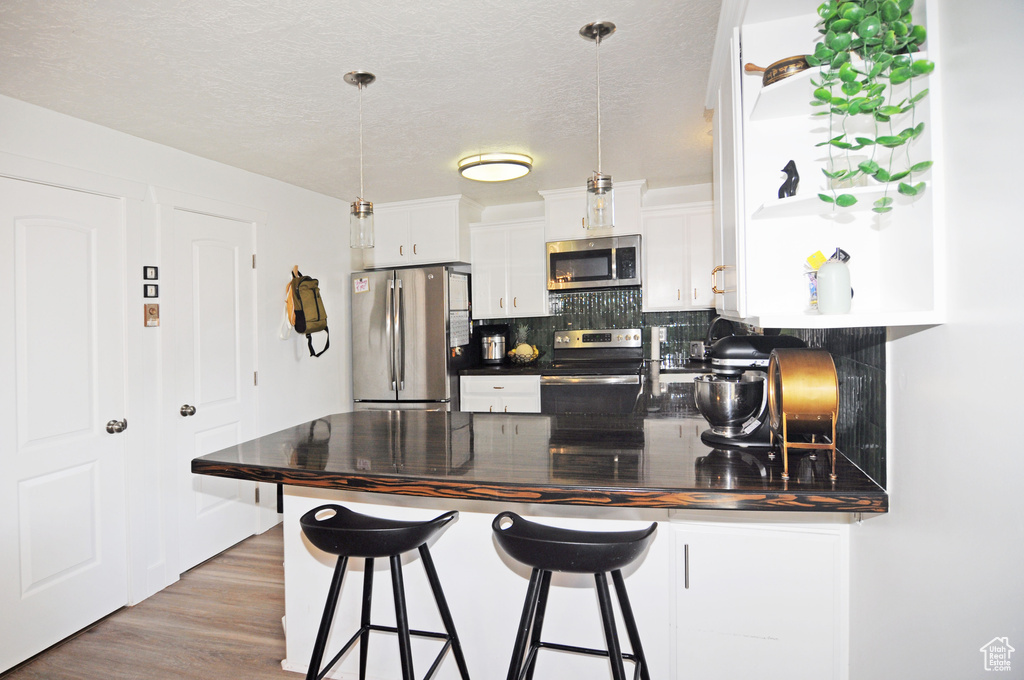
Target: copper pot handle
(753, 68)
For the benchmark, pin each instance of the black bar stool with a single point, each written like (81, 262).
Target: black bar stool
(342, 532)
(548, 549)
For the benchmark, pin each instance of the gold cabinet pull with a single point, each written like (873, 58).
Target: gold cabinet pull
(714, 280)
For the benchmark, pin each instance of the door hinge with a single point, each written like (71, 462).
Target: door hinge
(254, 260)
(255, 378)
(257, 495)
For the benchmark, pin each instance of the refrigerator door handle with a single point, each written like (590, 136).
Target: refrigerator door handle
(390, 332)
(400, 335)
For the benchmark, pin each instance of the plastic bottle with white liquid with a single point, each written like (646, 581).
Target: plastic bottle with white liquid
(834, 292)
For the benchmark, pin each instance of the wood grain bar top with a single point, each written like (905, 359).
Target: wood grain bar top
(627, 461)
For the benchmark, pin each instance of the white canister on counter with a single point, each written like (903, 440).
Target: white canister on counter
(834, 291)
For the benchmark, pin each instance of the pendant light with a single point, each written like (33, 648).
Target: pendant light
(361, 216)
(600, 196)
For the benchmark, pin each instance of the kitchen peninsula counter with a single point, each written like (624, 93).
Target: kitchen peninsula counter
(621, 461)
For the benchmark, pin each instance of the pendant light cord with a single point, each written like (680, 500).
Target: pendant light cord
(360, 141)
(599, 102)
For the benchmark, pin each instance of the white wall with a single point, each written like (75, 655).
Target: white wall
(302, 228)
(941, 574)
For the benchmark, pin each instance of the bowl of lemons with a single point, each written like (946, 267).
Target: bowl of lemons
(524, 354)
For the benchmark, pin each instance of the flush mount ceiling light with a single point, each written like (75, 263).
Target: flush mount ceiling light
(361, 216)
(600, 196)
(495, 167)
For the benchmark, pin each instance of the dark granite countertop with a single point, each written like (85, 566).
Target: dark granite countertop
(505, 369)
(627, 461)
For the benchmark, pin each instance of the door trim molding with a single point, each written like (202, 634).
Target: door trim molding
(65, 177)
(207, 206)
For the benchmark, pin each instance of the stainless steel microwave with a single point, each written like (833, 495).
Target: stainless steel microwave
(594, 262)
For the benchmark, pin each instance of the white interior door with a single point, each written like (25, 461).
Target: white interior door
(215, 360)
(63, 547)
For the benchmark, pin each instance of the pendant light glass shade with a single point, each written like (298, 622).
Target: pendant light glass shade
(600, 195)
(600, 202)
(360, 225)
(360, 221)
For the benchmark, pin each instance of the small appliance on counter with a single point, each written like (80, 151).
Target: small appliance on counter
(494, 343)
(803, 402)
(734, 397)
(700, 350)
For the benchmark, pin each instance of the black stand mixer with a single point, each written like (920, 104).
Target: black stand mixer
(734, 397)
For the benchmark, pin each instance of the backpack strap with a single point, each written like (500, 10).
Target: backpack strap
(309, 339)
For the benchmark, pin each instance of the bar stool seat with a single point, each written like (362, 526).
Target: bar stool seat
(339, 531)
(548, 549)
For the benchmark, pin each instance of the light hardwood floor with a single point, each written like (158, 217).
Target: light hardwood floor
(221, 620)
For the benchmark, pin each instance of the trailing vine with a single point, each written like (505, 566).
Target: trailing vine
(866, 50)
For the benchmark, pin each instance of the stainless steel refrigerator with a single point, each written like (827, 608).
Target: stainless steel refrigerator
(410, 337)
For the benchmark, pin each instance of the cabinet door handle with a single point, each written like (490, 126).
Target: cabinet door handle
(501, 302)
(414, 249)
(679, 293)
(514, 303)
(686, 566)
(117, 426)
(490, 408)
(498, 387)
(506, 409)
(694, 293)
(401, 250)
(187, 410)
(714, 280)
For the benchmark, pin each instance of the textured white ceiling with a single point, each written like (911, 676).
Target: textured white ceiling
(257, 84)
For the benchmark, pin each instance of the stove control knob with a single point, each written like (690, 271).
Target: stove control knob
(636, 336)
(618, 338)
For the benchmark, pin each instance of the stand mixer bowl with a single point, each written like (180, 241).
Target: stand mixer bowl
(729, 403)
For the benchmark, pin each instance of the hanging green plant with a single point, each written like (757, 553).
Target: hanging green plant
(866, 51)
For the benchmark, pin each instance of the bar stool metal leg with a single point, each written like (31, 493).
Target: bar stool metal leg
(401, 618)
(525, 622)
(611, 636)
(538, 624)
(325, 622)
(364, 619)
(630, 621)
(442, 609)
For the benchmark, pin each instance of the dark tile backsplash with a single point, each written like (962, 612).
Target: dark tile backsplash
(859, 355)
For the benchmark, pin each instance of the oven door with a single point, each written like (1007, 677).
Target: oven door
(610, 394)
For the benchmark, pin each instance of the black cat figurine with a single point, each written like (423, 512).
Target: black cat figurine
(788, 187)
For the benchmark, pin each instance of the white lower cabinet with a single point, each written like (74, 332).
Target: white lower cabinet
(500, 394)
(764, 601)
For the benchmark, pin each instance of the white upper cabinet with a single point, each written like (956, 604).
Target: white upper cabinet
(509, 275)
(897, 264)
(565, 212)
(677, 257)
(428, 231)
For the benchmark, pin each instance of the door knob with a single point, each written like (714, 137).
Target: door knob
(187, 411)
(116, 426)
